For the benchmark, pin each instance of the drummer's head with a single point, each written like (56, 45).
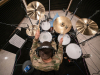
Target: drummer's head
(46, 54)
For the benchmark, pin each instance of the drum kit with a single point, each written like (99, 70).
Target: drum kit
(61, 25)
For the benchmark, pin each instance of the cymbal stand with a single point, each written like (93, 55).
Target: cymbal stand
(76, 9)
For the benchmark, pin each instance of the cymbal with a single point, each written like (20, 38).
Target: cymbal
(35, 9)
(62, 25)
(87, 26)
(29, 31)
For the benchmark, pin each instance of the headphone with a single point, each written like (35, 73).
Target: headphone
(42, 47)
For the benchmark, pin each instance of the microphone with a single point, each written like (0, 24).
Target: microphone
(28, 27)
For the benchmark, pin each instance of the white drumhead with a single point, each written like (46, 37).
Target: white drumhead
(45, 36)
(73, 51)
(66, 39)
(45, 25)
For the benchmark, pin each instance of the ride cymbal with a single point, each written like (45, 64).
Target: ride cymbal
(86, 26)
(62, 25)
(30, 31)
(35, 10)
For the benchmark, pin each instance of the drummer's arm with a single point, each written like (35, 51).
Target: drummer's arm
(35, 44)
(60, 50)
(34, 47)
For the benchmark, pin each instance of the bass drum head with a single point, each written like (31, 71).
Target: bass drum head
(66, 39)
(45, 36)
(45, 25)
(73, 51)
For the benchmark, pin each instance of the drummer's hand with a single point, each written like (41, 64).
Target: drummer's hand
(61, 40)
(37, 34)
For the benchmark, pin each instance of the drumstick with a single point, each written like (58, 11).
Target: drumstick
(63, 35)
(69, 4)
(39, 22)
(68, 8)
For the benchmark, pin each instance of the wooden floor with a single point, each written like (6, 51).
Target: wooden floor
(91, 47)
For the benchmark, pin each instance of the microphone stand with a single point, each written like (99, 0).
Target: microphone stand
(76, 9)
(97, 34)
(16, 26)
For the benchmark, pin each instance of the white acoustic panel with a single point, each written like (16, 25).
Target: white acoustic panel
(16, 41)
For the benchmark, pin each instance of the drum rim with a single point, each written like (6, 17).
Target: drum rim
(46, 32)
(80, 50)
(65, 34)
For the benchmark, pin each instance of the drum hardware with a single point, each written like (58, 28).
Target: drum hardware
(94, 14)
(61, 23)
(86, 56)
(97, 34)
(76, 9)
(68, 7)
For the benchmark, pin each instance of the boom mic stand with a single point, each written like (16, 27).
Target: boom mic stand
(76, 9)
(97, 34)
(14, 25)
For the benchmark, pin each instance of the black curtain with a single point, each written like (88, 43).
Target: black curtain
(10, 13)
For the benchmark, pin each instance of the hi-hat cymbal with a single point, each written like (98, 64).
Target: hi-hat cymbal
(32, 31)
(35, 9)
(62, 25)
(87, 26)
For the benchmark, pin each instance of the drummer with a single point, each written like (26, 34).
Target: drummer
(45, 60)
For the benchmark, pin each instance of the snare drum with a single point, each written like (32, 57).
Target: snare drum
(66, 39)
(73, 51)
(45, 25)
(45, 36)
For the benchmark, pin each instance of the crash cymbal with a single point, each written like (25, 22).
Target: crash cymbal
(29, 30)
(62, 25)
(35, 9)
(87, 26)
